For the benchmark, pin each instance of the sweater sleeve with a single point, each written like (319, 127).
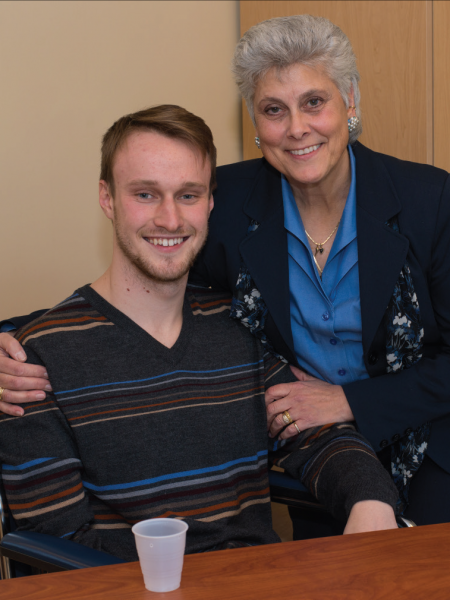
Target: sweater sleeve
(335, 462)
(338, 466)
(42, 473)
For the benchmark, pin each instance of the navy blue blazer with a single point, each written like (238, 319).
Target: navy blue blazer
(385, 405)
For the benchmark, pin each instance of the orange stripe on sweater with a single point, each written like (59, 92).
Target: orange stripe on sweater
(59, 322)
(200, 511)
(273, 366)
(47, 499)
(318, 433)
(338, 451)
(34, 405)
(108, 412)
(209, 304)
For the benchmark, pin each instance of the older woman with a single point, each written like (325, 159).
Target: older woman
(337, 258)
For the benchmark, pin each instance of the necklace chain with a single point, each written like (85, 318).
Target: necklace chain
(319, 246)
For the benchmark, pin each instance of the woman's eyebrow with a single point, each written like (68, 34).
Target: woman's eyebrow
(303, 96)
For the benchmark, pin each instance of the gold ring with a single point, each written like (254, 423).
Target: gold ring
(287, 418)
(295, 425)
(1, 393)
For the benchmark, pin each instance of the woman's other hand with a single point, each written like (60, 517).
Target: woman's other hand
(309, 402)
(21, 382)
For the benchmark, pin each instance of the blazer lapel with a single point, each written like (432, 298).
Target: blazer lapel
(265, 251)
(381, 251)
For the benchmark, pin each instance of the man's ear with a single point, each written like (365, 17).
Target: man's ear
(105, 198)
(211, 203)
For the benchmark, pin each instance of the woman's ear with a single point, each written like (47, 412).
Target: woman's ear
(351, 102)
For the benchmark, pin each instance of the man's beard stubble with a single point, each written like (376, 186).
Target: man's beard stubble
(147, 269)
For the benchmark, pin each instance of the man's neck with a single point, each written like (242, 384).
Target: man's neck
(157, 307)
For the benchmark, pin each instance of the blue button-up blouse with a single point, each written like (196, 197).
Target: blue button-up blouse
(326, 314)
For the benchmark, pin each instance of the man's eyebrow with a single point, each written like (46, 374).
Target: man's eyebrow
(194, 184)
(150, 182)
(138, 182)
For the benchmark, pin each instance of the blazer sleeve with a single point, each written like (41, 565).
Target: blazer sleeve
(387, 406)
(18, 322)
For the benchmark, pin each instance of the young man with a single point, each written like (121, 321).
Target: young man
(157, 406)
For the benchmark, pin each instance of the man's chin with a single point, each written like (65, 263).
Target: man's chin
(168, 271)
(166, 278)
(169, 274)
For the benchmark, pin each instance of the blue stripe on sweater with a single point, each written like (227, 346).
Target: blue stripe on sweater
(27, 464)
(123, 486)
(88, 387)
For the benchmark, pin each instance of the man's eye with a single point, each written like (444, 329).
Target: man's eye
(188, 196)
(144, 195)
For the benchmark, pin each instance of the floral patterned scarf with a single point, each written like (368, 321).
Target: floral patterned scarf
(403, 350)
(404, 333)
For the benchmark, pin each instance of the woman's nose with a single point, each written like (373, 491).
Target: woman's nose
(168, 215)
(298, 124)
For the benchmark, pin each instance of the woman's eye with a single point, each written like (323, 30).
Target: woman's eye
(273, 110)
(314, 102)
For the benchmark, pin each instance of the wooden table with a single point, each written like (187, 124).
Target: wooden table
(408, 563)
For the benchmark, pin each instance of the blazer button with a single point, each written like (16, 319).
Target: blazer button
(408, 431)
(395, 437)
(383, 443)
(373, 358)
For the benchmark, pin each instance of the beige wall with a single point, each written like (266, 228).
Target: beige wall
(67, 71)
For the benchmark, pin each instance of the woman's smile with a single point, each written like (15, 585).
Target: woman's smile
(301, 121)
(305, 151)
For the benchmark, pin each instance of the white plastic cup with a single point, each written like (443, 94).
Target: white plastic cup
(160, 545)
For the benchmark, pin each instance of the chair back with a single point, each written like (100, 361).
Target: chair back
(5, 566)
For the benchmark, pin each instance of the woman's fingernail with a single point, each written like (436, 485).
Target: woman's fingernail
(21, 356)
(48, 387)
(40, 396)
(46, 374)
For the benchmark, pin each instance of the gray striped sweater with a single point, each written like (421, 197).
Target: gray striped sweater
(134, 430)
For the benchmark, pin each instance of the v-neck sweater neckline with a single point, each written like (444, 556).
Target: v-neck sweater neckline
(139, 335)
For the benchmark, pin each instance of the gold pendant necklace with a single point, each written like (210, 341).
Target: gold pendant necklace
(319, 247)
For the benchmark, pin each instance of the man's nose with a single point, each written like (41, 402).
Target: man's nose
(168, 215)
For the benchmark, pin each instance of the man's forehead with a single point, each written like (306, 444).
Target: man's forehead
(147, 151)
(153, 142)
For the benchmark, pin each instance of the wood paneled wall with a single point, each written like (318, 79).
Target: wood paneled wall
(394, 42)
(441, 83)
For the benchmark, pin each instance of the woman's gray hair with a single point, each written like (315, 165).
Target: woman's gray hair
(304, 39)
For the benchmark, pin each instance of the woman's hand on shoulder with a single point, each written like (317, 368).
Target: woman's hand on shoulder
(308, 401)
(20, 381)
